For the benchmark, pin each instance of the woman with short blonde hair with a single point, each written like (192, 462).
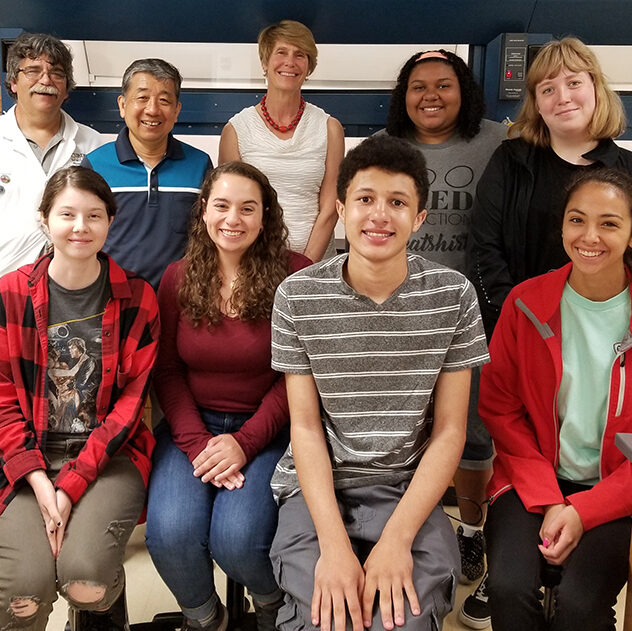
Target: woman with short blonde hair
(296, 144)
(292, 32)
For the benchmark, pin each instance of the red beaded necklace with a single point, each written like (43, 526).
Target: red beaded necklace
(282, 128)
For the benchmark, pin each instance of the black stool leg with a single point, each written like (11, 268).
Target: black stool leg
(168, 621)
(551, 577)
(234, 599)
(238, 617)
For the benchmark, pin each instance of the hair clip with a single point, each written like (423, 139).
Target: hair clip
(429, 54)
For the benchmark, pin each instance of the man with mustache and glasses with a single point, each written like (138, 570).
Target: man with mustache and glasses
(37, 139)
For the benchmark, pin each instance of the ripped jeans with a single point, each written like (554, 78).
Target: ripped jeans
(99, 527)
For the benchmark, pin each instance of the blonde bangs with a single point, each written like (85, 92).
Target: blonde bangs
(293, 33)
(572, 54)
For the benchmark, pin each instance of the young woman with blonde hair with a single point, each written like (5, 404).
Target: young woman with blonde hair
(566, 125)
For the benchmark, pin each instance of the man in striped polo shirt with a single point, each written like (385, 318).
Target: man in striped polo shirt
(366, 340)
(155, 178)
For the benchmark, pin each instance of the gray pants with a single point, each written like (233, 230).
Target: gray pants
(365, 512)
(99, 527)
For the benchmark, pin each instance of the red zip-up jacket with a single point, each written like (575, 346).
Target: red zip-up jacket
(518, 404)
(130, 331)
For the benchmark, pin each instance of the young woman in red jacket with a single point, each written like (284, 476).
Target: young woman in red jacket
(78, 339)
(553, 397)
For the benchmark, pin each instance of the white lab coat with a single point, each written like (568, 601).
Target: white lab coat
(22, 182)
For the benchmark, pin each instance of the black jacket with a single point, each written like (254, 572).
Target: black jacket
(496, 257)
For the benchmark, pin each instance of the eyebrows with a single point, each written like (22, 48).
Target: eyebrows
(448, 78)
(610, 215)
(142, 90)
(283, 47)
(37, 63)
(368, 189)
(565, 76)
(228, 201)
(78, 209)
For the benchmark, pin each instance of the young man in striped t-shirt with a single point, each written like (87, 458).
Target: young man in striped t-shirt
(365, 339)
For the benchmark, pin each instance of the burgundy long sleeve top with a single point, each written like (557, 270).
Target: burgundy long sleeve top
(225, 369)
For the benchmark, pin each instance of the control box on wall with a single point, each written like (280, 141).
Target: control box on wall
(507, 60)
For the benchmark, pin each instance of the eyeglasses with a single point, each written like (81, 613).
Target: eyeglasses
(35, 73)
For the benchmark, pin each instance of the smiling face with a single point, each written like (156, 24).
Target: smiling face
(380, 213)
(566, 103)
(234, 214)
(596, 232)
(42, 93)
(287, 66)
(78, 225)
(433, 101)
(150, 109)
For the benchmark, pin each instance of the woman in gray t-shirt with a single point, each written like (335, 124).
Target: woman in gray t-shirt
(438, 107)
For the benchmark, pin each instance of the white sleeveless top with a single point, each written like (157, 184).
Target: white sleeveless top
(295, 166)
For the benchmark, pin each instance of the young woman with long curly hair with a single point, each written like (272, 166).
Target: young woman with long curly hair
(225, 409)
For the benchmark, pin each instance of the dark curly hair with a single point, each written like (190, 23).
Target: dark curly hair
(386, 153)
(262, 267)
(472, 101)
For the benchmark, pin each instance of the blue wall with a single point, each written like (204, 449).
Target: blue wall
(476, 22)
(333, 21)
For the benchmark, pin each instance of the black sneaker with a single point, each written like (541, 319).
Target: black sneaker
(472, 551)
(474, 612)
(219, 623)
(266, 614)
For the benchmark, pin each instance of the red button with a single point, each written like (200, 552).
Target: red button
(508, 74)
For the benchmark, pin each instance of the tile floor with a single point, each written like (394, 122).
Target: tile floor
(148, 595)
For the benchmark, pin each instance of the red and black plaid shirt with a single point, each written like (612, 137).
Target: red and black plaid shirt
(130, 331)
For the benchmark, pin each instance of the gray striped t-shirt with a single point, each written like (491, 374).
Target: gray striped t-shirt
(375, 365)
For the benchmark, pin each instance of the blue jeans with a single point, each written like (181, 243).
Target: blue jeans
(191, 523)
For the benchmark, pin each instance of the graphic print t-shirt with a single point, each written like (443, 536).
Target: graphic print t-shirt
(74, 354)
(454, 169)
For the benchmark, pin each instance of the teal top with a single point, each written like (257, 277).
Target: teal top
(590, 331)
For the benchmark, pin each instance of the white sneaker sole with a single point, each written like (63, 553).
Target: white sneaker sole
(473, 623)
